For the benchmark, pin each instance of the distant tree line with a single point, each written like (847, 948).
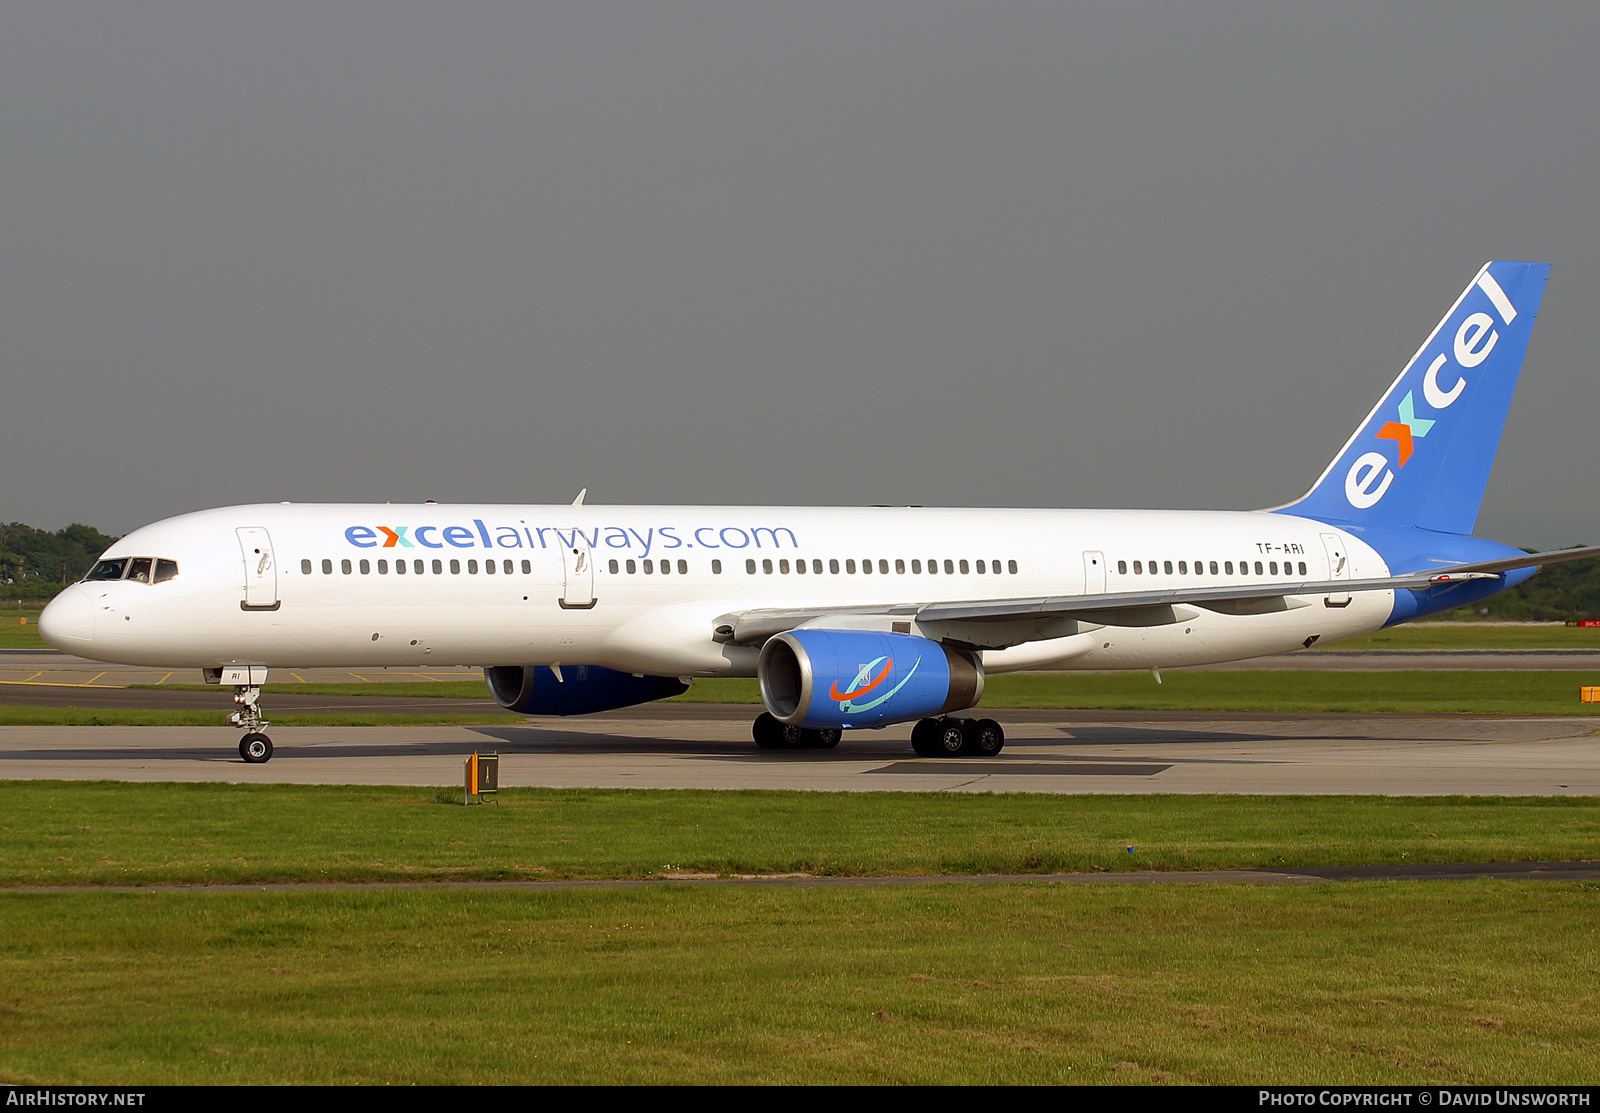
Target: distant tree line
(35, 563)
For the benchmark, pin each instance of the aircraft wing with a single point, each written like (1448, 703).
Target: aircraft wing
(1122, 608)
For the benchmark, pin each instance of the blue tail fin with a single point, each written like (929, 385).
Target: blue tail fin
(1422, 457)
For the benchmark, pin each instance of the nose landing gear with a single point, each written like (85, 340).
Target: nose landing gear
(255, 748)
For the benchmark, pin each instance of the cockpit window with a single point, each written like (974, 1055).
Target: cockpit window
(144, 570)
(108, 570)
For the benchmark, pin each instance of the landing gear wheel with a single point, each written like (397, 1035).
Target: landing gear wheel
(256, 749)
(925, 738)
(767, 732)
(826, 738)
(986, 737)
(954, 739)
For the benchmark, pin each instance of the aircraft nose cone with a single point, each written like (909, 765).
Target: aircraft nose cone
(67, 623)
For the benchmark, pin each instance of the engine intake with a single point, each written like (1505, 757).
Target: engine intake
(862, 678)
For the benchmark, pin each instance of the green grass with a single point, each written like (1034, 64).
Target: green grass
(1376, 983)
(1432, 635)
(135, 717)
(18, 634)
(1451, 692)
(97, 833)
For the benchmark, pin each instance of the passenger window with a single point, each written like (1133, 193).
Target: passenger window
(614, 567)
(1166, 566)
(509, 567)
(345, 567)
(366, 567)
(833, 566)
(766, 566)
(1258, 568)
(1138, 568)
(383, 568)
(649, 567)
(400, 567)
(455, 567)
(632, 567)
(327, 567)
(1122, 568)
(716, 568)
(850, 566)
(1227, 567)
(816, 566)
(916, 568)
(488, 567)
(866, 567)
(950, 567)
(933, 567)
(980, 567)
(883, 566)
(1302, 568)
(527, 568)
(683, 567)
(800, 567)
(750, 566)
(666, 568)
(1213, 568)
(1011, 565)
(995, 566)
(1273, 568)
(1183, 567)
(438, 567)
(472, 567)
(416, 566)
(305, 568)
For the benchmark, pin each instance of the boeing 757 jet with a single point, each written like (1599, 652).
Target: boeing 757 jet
(849, 618)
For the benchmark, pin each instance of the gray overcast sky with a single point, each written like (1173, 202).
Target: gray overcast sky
(987, 253)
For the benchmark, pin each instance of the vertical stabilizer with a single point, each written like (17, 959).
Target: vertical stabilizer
(1422, 457)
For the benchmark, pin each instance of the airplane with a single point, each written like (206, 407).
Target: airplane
(850, 618)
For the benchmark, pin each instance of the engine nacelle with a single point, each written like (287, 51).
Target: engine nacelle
(861, 678)
(582, 689)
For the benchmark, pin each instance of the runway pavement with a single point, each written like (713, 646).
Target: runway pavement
(706, 746)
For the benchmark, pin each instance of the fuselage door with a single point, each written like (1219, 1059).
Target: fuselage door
(1338, 569)
(260, 569)
(578, 565)
(1094, 573)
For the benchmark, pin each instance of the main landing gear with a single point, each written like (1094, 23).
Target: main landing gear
(254, 747)
(773, 735)
(957, 738)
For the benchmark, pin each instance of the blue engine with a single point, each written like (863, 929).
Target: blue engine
(861, 678)
(582, 689)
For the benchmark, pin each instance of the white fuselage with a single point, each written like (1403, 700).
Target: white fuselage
(288, 586)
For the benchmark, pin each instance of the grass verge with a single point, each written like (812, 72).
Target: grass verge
(1516, 692)
(98, 833)
(1376, 983)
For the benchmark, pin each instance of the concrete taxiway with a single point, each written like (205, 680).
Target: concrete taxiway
(706, 746)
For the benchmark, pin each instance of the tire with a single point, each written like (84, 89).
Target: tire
(954, 738)
(767, 732)
(987, 738)
(255, 749)
(824, 739)
(925, 738)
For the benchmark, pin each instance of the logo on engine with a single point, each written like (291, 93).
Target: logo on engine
(861, 685)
